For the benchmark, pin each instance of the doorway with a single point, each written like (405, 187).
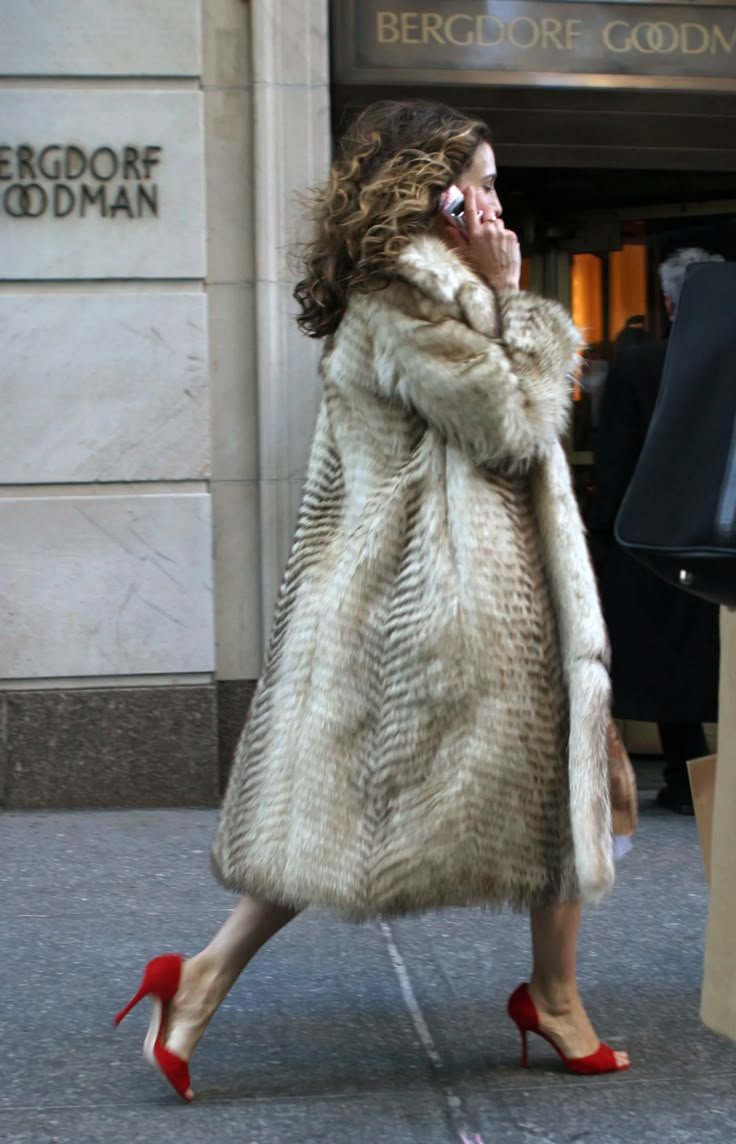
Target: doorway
(594, 241)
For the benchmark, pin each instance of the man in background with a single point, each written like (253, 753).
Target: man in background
(634, 333)
(664, 642)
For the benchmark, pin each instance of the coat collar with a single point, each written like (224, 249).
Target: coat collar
(437, 270)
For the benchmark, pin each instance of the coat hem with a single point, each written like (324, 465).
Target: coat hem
(493, 902)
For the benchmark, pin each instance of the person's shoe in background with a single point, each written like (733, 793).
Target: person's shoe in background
(671, 798)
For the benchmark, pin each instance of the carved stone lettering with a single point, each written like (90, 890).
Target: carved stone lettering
(64, 180)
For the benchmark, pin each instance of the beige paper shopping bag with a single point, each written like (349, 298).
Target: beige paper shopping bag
(702, 774)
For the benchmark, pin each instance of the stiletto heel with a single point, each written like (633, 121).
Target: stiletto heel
(131, 1005)
(524, 1054)
(523, 1012)
(160, 981)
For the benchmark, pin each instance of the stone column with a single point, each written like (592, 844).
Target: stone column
(292, 154)
(266, 85)
(227, 81)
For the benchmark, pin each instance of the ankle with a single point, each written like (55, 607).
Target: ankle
(556, 997)
(204, 980)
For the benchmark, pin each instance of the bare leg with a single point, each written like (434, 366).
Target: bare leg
(207, 977)
(554, 987)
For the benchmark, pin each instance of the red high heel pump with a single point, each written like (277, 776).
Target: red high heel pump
(523, 1012)
(160, 981)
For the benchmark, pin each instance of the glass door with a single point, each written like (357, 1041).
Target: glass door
(613, 303)
(616, 301)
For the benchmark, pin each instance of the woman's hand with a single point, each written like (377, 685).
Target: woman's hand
(491, 249)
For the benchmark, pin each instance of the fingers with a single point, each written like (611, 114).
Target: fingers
(472, 219)
(477, 223)
(498, 226)
(491, 249)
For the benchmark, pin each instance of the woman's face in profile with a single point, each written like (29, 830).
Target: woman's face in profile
(481, 175)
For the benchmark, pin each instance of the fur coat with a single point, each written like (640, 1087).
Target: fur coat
(430, 725)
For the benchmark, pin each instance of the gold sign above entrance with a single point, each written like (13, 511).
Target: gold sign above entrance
(536, 41)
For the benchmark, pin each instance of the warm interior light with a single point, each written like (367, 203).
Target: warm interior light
(587, 296)
(627, 286)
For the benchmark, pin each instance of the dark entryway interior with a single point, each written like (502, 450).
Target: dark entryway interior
(582, 209)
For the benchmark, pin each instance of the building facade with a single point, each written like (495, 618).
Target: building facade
(156, 397)
(157, 401)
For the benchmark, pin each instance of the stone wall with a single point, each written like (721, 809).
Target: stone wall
(156, 401)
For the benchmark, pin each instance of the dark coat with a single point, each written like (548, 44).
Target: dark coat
(664, 642)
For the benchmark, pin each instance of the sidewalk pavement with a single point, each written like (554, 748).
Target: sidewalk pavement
(392, 1033)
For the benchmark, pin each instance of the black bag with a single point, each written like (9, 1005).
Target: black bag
(678, 516)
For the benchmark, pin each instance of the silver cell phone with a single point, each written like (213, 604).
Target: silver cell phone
(452, 205)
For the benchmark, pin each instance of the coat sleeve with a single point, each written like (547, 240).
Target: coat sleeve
(493, 380)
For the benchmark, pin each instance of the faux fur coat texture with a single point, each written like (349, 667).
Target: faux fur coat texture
(429, 728)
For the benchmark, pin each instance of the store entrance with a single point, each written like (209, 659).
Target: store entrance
(594, 242)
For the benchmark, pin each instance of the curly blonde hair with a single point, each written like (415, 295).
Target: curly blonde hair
(395, 161)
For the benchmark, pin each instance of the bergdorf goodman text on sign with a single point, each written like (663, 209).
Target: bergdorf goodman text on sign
(674, 41)
(101, 185)
(65, 180)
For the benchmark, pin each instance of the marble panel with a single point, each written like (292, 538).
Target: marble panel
(226, 52)
(103, 387)
(233, 383)
(229, 180)
(105, 585)
(103, 185)
(237, 579)
(100, 38)
(290, 41)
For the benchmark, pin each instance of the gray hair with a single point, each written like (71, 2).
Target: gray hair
(672, 270)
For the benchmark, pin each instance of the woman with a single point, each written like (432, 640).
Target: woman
(430, 725)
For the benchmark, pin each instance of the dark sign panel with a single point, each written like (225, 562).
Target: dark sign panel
(456, 41)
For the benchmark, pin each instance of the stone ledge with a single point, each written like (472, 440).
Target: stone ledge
(3, 750)
(112, 747)
(233, 703)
